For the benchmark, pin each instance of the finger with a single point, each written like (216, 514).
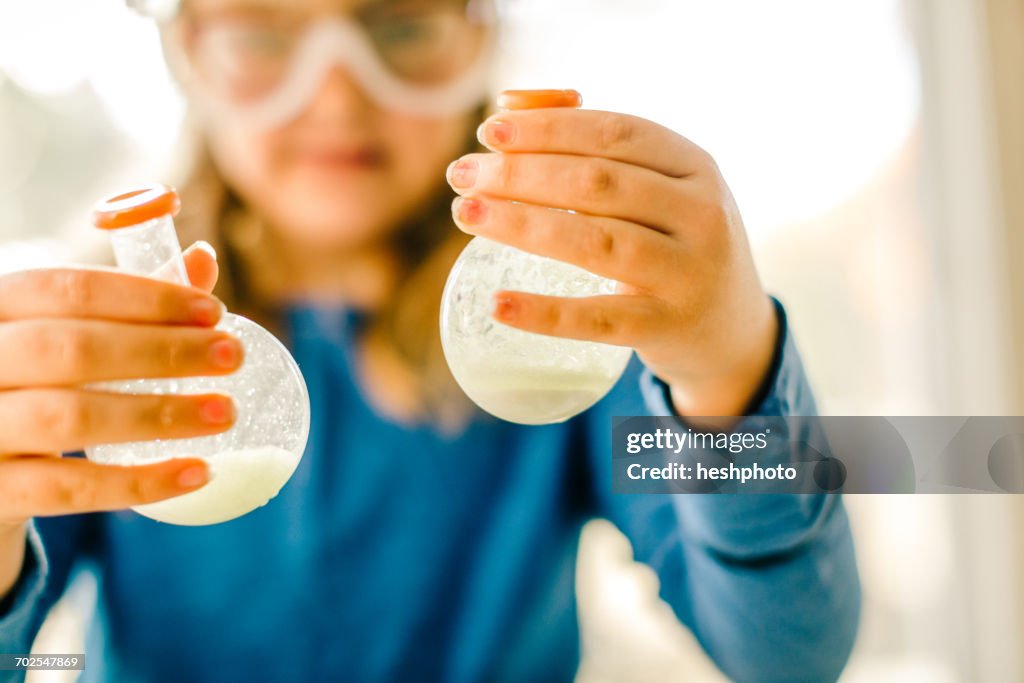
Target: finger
(38, 353)
(94, 293)
(38, 487)
(613, 319)
(596, 186)
(610, 247)
(43, 420)
(201, 264)
(583, 132)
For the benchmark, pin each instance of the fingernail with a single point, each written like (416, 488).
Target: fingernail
(498, 132)
(207, 247)
(217, 411)
(225, 353)
(504, 307)
(462, 174)
(469, 211)
(205, 311)
(193, 476)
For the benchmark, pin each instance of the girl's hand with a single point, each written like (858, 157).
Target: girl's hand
(630, 200)
(62, 329)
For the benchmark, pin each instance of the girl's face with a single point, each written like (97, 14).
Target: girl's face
(343, 171)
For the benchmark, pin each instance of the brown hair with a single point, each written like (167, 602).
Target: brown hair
(406, 328)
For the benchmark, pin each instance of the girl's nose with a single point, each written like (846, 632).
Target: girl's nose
(339, 96)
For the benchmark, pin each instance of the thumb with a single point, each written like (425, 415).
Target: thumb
(201, 263)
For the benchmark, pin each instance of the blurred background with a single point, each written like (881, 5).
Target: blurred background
(876, 148)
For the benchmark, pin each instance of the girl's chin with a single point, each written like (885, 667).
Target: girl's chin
(333, 226)
(339, 208)
(352, 193)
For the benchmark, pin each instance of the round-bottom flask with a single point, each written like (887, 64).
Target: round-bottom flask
(251, 462)
(515, 375)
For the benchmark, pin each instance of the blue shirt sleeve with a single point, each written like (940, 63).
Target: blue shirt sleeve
(19, 610)
(767, 583)
(26, 605)
(52, 547)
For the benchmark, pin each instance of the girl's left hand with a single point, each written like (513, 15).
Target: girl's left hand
(635, 202)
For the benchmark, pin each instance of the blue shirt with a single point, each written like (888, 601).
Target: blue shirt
(401, 554)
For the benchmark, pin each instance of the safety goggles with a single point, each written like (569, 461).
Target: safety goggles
(263, 66)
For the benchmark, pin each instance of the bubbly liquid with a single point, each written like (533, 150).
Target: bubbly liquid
(515, 375)
(533, 396)
(241, 481)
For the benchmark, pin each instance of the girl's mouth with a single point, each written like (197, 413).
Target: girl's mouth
(341, 158)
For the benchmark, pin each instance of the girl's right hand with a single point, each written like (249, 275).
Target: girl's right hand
(63, 329)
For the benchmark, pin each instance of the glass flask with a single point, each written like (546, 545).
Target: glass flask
(520, 376)
(249, 463)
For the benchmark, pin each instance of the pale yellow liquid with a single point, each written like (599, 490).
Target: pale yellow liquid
(533, 397)
(242, 481)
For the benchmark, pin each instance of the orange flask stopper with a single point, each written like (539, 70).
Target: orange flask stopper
(539, 99)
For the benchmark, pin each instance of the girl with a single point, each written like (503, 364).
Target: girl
(419, 539)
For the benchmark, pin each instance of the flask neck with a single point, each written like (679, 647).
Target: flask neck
(150, 249)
